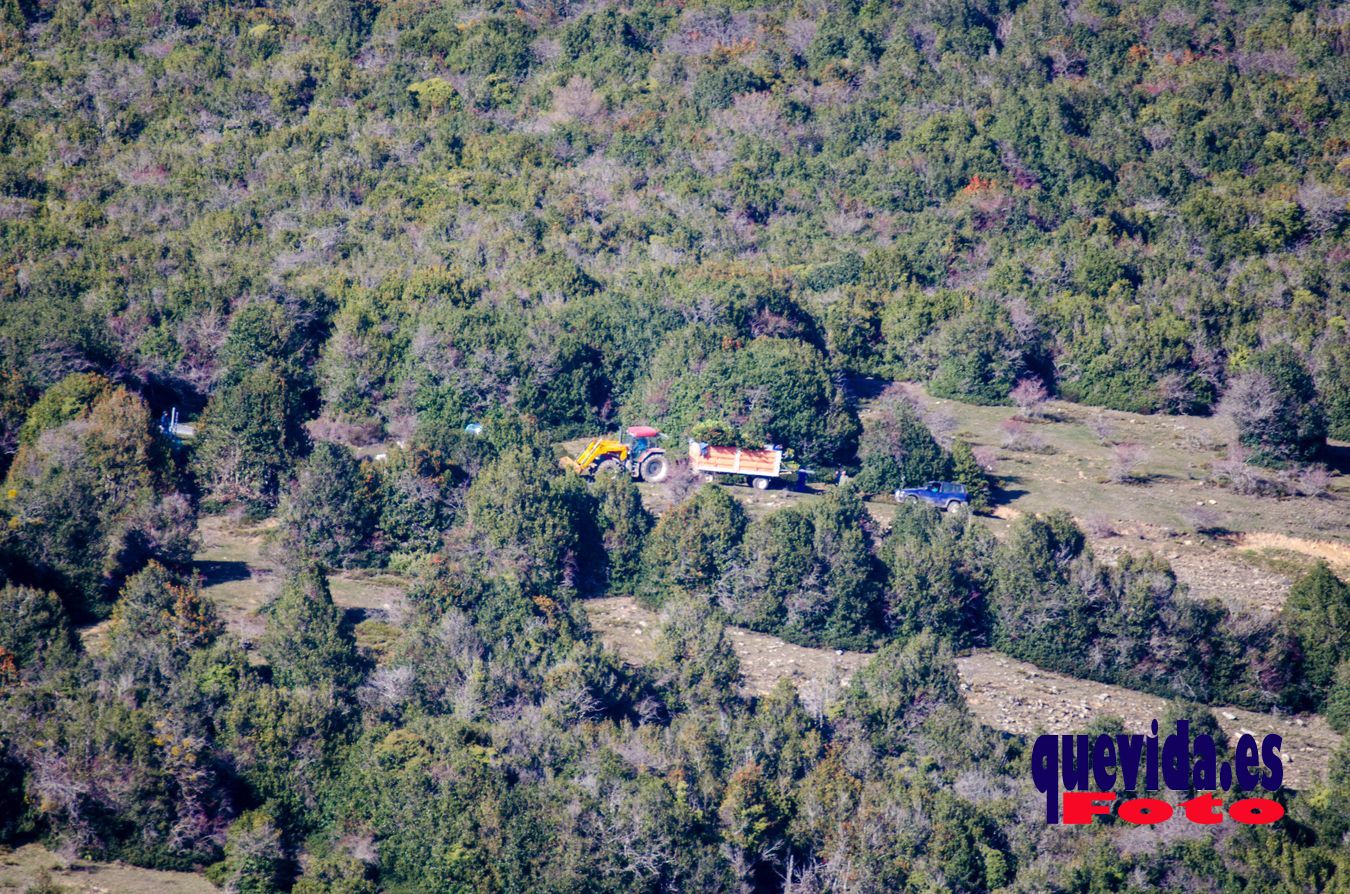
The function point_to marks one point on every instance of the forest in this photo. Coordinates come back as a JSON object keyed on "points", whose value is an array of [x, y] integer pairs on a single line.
{"points": [[384, 257]]}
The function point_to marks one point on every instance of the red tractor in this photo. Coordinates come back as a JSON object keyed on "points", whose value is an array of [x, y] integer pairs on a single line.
{"points": [[635, 451]]}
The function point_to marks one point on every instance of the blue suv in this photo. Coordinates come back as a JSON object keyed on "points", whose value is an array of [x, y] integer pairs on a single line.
{"points": [[942, 494]]}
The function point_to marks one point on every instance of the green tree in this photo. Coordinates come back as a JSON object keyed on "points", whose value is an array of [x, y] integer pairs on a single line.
{"points": [[967, 470], [978, 358], [69, 399], [248, 439], [693, 544], [1038, 612], [1273, 404], [938, 575], [623, 523], [332, 507], [896, 692], [776, 390], [535, 515], [898, 450], [255, 857], [37, 634], [1337, 704], [1317, 613], [306, 643], [90, 502], [694, 662]]}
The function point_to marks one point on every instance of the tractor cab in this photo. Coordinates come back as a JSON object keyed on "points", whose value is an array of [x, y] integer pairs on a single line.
{"points": [[638, 438]]}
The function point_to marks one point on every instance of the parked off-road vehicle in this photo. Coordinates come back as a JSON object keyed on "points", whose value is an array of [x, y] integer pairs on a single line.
{"points": [[946, 495]]}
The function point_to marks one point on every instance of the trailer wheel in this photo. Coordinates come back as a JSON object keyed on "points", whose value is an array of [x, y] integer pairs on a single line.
{"points": [[759, 483], [655, 468]]}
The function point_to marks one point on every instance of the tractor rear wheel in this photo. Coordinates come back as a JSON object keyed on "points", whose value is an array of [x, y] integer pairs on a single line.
{"points": [[654, 468]]}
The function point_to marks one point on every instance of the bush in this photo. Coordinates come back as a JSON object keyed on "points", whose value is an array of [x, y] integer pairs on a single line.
{"points": [[1273, 405], [331, 508], [898, 450], [1317, 615], [693, 544]]}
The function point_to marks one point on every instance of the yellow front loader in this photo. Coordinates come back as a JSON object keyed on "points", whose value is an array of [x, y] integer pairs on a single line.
{"points": [[634, 452]]}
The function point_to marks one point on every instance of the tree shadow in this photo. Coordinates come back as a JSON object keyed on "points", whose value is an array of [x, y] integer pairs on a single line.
{"points": [[1337, 457], [1004, 490], [866, 387], [222, 572]]}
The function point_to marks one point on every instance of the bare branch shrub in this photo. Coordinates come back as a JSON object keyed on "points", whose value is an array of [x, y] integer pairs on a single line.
{"points": [[1126, 458], [1017, 435], [1029, 395], [1101, 428]]}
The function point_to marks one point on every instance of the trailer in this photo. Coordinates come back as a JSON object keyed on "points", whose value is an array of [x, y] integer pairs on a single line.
{"points": [[759, 466]]}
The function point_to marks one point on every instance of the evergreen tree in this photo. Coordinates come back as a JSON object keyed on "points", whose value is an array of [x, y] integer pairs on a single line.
{"points": [[255, 858], [1317, 614], [624, 524], [68, 399], [332, 507], [306, 643], [1273, 403], [966, 470], [900, 688], [939, 575], [693, 544], [1337, 705], [36, 633], [898, 450], [248, 439], [535, 515], [90, 502], [978, 358]]}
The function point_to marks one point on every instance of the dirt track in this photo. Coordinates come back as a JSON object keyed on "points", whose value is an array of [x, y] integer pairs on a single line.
{"points": [[1002, 692]]}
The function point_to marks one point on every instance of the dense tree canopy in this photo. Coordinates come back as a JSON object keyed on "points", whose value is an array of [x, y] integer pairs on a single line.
{"points": [[336, 234]]}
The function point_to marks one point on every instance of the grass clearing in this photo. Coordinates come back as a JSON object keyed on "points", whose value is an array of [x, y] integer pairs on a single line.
{"points": [[24, 867], [1002, 692]]}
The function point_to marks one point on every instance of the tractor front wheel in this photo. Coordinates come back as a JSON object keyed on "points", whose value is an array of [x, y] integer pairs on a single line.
{"points": [[608, 466], [655, 468]]}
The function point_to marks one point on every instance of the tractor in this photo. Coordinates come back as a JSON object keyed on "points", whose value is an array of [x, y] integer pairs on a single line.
{"points": [[635, 452]]}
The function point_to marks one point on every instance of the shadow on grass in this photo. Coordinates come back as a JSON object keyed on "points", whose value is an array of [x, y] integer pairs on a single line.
{"points": [[222, 572], [1337, 456]]}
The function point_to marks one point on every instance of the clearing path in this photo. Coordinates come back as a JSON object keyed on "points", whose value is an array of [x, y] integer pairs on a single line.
{"points": [[1002, 692], [819, 674], [240, 578], [20, 869], [1336, 555]]}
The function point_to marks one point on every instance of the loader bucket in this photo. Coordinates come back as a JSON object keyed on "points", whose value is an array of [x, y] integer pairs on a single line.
{"points": [[568, 464]]}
